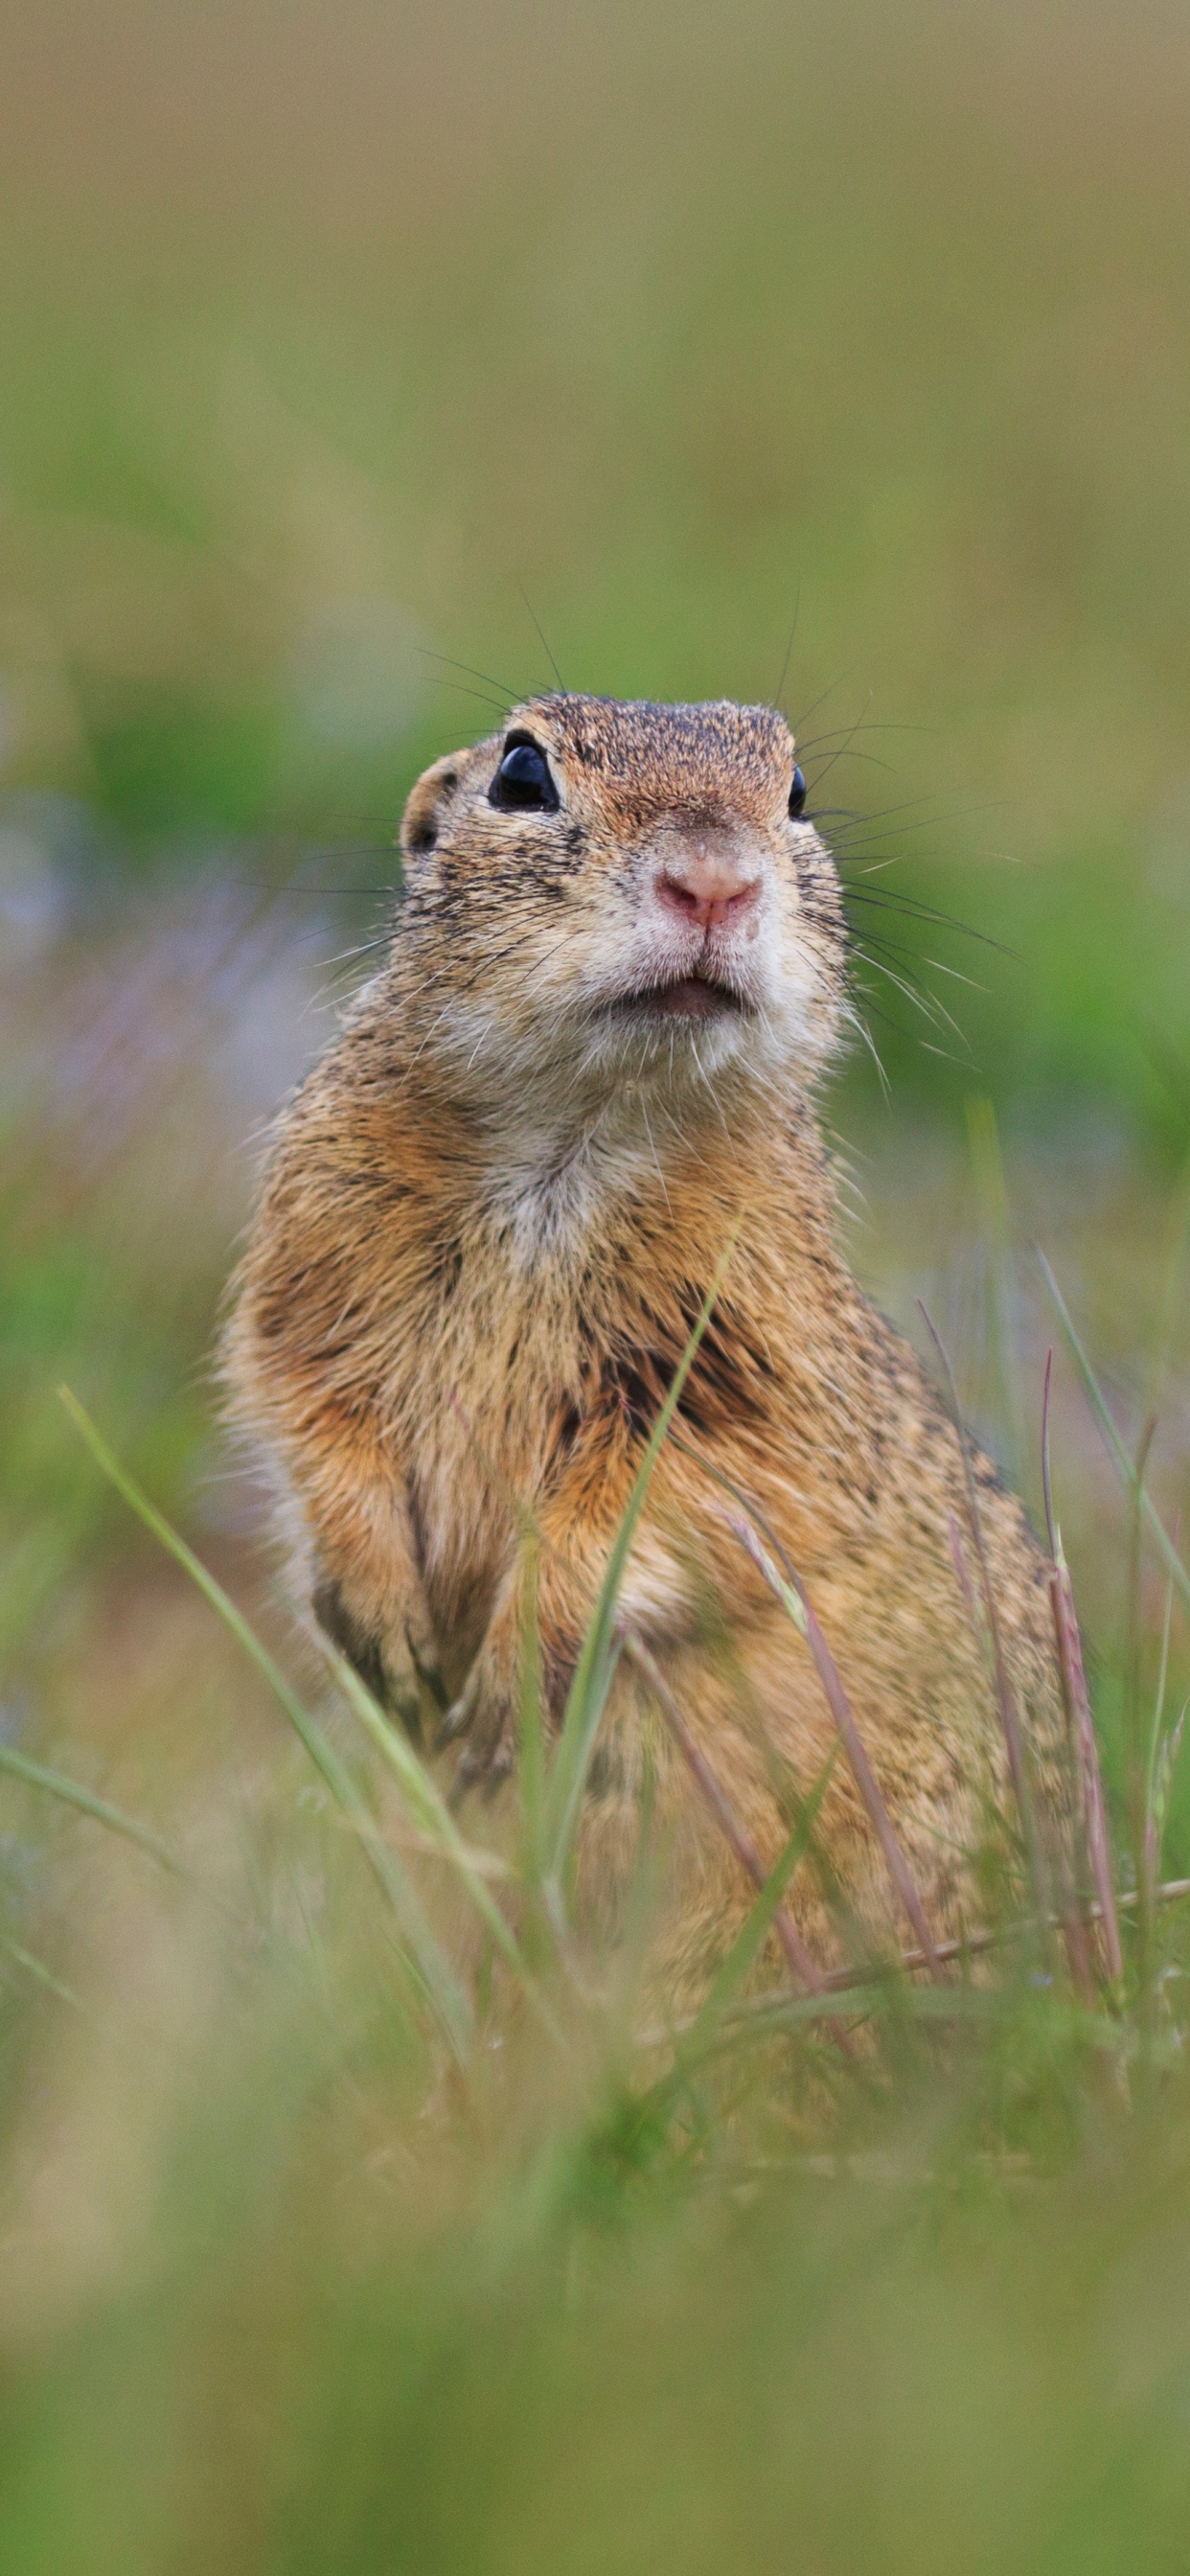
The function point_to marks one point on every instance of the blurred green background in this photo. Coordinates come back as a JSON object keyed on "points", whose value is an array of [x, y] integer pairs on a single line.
{"points": [[326, 332], [838, 351], [841, 349]]}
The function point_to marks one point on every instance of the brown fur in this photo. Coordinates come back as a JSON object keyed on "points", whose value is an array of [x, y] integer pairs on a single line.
{"points": [[490, 1217]]}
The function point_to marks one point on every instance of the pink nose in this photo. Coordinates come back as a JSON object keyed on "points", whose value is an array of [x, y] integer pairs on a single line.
{"points": [[707, 892]]}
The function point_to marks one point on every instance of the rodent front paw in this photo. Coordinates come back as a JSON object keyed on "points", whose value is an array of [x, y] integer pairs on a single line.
{"points": [[398, 1664], [484, 1712]]}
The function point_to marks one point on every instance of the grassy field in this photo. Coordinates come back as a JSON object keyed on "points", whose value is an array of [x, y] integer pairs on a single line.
{"points": [[341, 348]]}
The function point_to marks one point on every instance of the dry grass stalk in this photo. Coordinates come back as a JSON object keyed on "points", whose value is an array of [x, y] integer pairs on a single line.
{"points": [[1077, 1703], [792, 1594], [958, 1558], [974, 1945], [1005, 1699], [800, 1960]]}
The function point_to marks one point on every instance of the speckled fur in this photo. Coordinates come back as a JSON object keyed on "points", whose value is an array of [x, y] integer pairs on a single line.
{"points": [[490, 1216]]}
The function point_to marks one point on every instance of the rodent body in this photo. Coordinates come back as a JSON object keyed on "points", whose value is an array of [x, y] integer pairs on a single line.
{"points": [[491, 1216]]}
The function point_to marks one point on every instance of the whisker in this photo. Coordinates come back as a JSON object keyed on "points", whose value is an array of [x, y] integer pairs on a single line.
{"points": [[780, 691], [920, 823], [864, 724], [845, 752], [458, 689], [894, 948], [889, 899], [904, 805], [921, 997], [820, 700], [511, 697], [544, 646], [856, 1021]]}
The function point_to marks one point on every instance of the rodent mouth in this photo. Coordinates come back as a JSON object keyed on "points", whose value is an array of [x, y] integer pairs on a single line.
{"points": [[690, 997]]}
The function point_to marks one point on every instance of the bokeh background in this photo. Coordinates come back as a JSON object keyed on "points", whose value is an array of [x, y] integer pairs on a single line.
{"points": [[841, 353], [358, 364]]}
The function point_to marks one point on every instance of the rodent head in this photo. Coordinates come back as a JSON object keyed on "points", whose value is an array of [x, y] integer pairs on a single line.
{"points": [[622, 895]]}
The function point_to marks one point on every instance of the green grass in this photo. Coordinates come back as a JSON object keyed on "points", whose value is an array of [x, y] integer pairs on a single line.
{"points": [[377, 2225], [345, 2222]]}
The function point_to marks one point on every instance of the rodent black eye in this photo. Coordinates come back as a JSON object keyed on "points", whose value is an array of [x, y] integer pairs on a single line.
{"points": [[797, 795], [522, 783]]}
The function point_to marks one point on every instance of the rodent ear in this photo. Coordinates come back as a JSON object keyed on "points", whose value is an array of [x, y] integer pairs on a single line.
{"points": [[423, 815]]}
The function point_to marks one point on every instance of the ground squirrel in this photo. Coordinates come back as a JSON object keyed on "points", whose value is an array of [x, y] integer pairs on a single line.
{"points": [[616, 975]]}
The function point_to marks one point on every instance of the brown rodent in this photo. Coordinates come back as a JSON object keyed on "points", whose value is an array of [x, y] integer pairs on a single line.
{"points": [[492, 1211]]}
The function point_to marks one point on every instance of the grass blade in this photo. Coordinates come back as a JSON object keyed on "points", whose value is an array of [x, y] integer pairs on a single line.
{"points": [[600, 1648], [432, 1814], [57, 1785], [433, 1970], [987, 1165], [800, 1960], [754, 1931], [791, 1593], [975, 1944], [1077, 1701], [1115, 1445], [1005, 1695], [44, 1976], [531, 1746]]}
